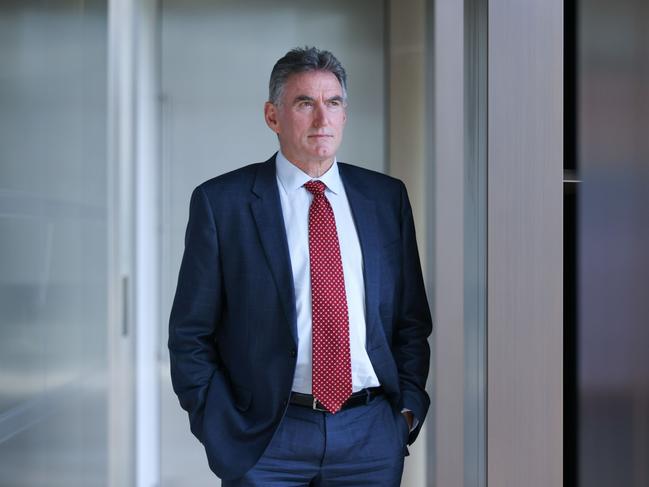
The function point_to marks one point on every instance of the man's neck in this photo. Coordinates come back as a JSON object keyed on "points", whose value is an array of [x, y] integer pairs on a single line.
{"points": [[315, 169]]}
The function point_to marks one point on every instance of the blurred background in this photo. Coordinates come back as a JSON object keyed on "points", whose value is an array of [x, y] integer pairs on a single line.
{"points": [[521, 132]]}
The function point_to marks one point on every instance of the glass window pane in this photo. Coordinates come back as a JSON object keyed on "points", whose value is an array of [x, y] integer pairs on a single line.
{"points": [[53, 243]]}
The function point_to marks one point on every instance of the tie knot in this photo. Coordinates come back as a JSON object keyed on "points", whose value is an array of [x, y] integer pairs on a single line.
{"points": [[315, 187]]}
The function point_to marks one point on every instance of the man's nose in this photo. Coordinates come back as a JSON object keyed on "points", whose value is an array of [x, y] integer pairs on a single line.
{"points": [[320, 116]]}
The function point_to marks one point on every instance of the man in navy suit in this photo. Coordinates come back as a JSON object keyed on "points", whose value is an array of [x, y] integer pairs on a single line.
{"points": [[298, 334]]}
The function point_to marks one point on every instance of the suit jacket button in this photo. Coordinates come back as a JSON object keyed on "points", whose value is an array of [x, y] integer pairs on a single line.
{"points": [[293, 353]]}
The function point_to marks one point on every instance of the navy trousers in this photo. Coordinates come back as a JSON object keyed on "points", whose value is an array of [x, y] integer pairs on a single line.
{"points": [[361, 446]]}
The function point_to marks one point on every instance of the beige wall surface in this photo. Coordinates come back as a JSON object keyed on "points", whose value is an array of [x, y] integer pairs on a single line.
{"points": [[406, 148]]}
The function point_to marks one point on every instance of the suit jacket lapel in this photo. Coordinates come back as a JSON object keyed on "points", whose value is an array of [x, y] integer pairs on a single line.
{"points": [[267, 211], [366, 221]]}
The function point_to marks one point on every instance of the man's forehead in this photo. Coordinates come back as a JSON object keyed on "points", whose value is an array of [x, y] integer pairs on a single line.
{"points": [[314, 82]]}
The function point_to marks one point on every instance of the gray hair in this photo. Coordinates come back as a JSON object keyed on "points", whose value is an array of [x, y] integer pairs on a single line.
{"points": [[300, 60]]}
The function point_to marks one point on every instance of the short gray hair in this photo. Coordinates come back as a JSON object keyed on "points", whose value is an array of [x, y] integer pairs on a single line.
{"points": [[300, 60]]}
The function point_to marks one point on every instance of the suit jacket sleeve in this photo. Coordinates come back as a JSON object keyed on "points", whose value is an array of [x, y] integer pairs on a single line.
{"points": [[410, 343], [195, 313]]}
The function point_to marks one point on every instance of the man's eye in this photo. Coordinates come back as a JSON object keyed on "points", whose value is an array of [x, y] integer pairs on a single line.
{"points": [[305, 104]]}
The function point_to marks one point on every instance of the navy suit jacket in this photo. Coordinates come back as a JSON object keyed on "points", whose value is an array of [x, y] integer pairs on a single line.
{"points": [[233, 332]]}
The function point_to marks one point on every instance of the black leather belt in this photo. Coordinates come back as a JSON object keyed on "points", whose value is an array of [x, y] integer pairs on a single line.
{"points": [[359, 398]]}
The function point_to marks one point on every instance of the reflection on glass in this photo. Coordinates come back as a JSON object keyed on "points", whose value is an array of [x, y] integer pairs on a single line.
{"points": [[613, 336], [53, 237]]}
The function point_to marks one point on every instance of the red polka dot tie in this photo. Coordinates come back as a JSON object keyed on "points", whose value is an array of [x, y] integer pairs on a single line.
{"points": [[332, 370]]}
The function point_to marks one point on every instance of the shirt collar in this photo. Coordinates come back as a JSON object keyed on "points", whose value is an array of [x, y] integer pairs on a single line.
{"points": [[293, 178]]}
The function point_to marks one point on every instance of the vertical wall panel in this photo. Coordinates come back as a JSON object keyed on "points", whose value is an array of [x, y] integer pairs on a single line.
{"points": [[448, 283], [475, 241], [120, 152], [457, 240], [525, 243]]}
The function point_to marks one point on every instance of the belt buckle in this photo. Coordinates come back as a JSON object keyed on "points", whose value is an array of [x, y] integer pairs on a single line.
{"points": [[316, 407]]}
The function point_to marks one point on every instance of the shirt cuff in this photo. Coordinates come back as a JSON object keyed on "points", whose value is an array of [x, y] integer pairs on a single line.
{"points": [[415, 421]]}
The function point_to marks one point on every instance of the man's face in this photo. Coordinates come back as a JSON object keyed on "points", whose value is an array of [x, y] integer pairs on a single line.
{"points": [[310, 117]]}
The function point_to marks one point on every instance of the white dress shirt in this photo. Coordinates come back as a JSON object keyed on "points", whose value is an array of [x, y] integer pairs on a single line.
{"points": [[296, 200]]}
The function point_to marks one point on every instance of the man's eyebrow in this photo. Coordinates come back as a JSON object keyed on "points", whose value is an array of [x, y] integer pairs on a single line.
{"points": [[300, 98]]}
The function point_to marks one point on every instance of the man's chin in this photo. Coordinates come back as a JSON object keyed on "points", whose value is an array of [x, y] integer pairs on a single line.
{"points": [[324, 153]]}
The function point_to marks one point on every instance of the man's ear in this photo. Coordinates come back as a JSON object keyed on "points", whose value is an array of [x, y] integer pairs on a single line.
{"points": [[270, 115]]}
